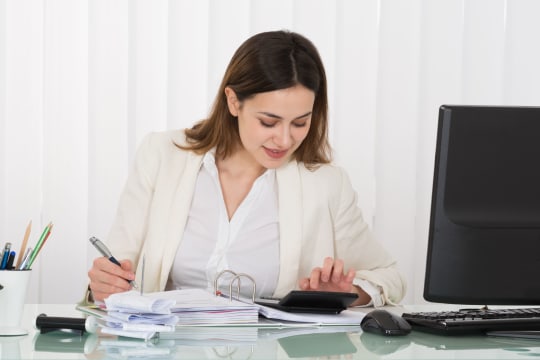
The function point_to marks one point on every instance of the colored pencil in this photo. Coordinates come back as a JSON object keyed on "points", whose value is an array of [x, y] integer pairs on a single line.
{"points": [[37, 248], [24, 243]]}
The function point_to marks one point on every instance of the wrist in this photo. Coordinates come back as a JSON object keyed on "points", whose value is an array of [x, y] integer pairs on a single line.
{"points": [[363, 297], [373, 292]]}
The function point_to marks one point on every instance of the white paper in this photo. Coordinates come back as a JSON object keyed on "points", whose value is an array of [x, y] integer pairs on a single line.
{"points": [[346, 317], [115, 316], [134, 302]]}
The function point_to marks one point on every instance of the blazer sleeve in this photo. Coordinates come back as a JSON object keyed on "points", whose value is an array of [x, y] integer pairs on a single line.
{"points": [[355, 244], [129, 228]]}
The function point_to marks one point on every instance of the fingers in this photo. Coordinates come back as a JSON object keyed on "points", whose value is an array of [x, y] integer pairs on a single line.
{"points": [[332, 270], [337, 272], [328, 266], [127, 266], [350, 275], [315, 278], [329, 277], [107, 278], [303, 284], [124, 271]]}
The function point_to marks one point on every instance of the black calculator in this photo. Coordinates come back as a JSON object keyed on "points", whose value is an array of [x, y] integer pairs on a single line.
{"points": [[317, 302]]}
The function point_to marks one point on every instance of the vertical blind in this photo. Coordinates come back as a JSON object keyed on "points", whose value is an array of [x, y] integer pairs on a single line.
{"points": [[82, 81]]}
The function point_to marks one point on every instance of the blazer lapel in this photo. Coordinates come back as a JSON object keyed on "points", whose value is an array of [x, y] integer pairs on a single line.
{"points": [[179, 212], [290, 226]]}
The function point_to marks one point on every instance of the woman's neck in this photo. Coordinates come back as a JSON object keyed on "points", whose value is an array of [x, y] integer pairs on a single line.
{"points": [[240, 165], [237, 174]]}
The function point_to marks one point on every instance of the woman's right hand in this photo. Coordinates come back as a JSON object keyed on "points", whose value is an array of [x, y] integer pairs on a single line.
{"points": [[107, 278]]}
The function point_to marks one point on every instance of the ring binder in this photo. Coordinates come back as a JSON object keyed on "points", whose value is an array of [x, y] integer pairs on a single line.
{"points": [[236, 278]]}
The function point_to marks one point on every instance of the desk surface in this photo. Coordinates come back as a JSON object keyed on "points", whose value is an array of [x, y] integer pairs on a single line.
{"points": [[251, 343]]}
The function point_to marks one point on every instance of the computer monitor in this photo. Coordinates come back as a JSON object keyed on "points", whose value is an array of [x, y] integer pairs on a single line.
{"points": [[484, 234]]}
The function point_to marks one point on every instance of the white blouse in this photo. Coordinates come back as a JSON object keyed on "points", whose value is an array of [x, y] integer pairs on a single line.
{"points": [[248, 243]]}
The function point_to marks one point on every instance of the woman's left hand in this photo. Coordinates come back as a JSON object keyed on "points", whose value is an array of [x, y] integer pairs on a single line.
{"points": [[329, 277]]}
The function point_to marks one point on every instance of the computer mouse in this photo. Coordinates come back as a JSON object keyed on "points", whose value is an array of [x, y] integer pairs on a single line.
{"points": [[384, 322]]}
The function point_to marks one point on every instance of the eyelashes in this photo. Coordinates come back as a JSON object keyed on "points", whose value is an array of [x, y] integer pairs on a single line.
{"points": [[267, 125], [272, 124]]}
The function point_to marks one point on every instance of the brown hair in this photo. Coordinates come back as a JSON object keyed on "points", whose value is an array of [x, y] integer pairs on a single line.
{"points": [[265, 62]]}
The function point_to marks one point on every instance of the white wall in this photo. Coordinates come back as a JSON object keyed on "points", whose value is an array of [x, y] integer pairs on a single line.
{"points": [[82, 81]]}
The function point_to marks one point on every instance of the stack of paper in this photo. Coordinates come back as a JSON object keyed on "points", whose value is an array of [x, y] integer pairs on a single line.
{"points": [[200, 307], [139, 316]]}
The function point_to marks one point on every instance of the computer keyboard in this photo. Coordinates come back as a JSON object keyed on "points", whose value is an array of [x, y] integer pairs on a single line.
{"points": [[469, 321]]}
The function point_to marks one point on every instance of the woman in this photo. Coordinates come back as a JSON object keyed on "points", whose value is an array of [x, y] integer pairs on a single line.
{"points": [[250, 189]]}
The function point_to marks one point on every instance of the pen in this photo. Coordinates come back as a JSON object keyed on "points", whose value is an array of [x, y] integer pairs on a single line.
{"points": [[26, 256], [107, 253], [5, 255], [11, 259]]}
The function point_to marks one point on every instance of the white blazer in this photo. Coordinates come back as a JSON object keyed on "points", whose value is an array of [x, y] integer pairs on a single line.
{"points": [[318, 217]]}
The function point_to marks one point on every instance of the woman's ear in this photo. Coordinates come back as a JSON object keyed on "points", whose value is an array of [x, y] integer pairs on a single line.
{"points": [[232, 101]]}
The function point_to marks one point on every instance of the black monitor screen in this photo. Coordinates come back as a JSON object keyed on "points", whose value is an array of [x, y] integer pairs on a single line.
{"points": [[484, 235]]}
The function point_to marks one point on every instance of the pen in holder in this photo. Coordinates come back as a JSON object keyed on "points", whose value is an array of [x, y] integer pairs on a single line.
{"points": [[13, 286]]}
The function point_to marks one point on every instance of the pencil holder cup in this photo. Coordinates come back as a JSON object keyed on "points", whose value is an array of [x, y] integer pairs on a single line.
{"points": [[13, 286]]}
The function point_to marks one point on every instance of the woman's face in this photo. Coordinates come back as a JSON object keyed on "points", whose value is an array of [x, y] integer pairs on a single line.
{"points": [[273, 124]]}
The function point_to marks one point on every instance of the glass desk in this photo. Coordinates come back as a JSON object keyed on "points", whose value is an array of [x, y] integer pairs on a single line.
{"points": [[253, 343]]}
